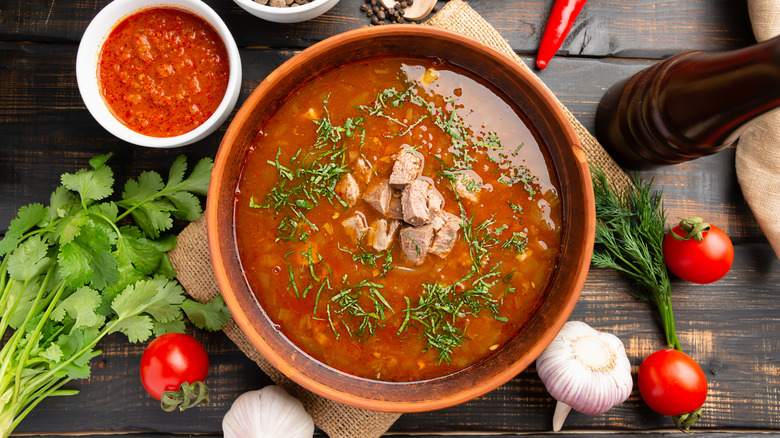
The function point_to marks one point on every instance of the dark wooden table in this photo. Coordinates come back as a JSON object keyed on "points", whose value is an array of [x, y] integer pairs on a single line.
{"points": [[731, 327]]}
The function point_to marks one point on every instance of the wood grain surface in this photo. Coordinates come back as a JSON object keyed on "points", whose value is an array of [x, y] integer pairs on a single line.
{"points": [[731, 327]]}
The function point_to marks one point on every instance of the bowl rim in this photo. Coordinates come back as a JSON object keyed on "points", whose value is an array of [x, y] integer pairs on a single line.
{"points": [[88, 55], [279, 362], [314, 4]]}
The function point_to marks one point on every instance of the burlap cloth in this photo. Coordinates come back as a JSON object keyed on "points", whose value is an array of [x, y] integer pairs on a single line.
{"points": [[193, 264], [758, 150]]}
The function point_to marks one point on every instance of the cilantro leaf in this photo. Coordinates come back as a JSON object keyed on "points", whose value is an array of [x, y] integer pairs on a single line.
{"points": [[53, 354], [70, 227], [152, 202], [92, 184], [198, 181], [164, 307], [158, 297], [24, 297], [61, 203], [137, 328], [208, 316], [187, 205], [148, 185], [27, 217], [88, 258], [143, 253], [28, 260], [173, 326], [108, 210], [80, 306]]}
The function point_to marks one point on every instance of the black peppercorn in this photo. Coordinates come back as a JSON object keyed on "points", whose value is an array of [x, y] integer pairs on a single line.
{"points": [[370, 13], [409, 2], [363, 7], [374, 21], [375, 9], [401, 19], [380, 15], [402, 12]]}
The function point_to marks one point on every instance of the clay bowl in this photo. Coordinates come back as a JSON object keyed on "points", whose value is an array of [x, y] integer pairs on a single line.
{"points": [[545, 115]]}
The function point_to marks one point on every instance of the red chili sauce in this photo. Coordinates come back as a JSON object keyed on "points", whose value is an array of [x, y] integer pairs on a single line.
{"points": [[163, 71]]}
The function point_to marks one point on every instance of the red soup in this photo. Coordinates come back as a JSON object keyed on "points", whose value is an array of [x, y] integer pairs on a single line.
{"points": [[398, 219], [163, 71]]}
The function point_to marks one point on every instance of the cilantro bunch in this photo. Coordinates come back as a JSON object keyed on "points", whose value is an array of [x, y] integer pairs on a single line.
{"points": [[79, 269]]}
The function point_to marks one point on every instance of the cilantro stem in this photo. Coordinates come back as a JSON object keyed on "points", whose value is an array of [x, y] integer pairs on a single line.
{"points": [[33, 337]]}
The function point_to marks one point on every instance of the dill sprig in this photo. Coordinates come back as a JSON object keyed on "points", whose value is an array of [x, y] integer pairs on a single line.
{"points": [[630, 230]]}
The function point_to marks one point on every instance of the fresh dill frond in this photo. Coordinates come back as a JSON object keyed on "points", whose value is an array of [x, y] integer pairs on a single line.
{"points": [[630, 228]]}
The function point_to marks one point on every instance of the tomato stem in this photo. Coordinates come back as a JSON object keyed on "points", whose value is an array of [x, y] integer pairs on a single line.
{"points": [[685, 421], [187, 396], [694, 228]]}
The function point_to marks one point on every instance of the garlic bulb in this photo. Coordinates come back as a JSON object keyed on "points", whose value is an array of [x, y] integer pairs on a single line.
{"points": [[267, 413], [586, 370]]}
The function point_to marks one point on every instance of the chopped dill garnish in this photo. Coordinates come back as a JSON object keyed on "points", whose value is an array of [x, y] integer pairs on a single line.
{"points": [[518, 209], [519, 174], [358, 318], [491, 141], [517, 243], [440, 308]]}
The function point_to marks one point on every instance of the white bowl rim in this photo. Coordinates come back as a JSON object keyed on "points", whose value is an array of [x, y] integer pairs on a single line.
{"points": [[283, 11], [89, 52]]}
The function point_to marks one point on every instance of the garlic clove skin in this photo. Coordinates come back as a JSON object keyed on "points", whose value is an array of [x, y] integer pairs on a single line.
{"points": [[267, 413], [585, 369]]}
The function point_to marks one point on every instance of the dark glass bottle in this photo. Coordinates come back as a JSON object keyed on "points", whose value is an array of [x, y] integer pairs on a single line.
{"points": [[688, 106]]}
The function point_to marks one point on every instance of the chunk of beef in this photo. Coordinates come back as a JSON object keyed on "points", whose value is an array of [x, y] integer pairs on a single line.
{"points": [[348, 189], [446, 236], [355, 226], [407, 167], [395, 210], [415, 203], [378, 196], [363, 170], [435, 200], [441, 218], [381, 235], [415, 242]]}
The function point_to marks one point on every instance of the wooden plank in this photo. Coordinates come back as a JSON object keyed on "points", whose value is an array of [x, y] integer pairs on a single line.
{"points": [[730, 327], [38, 89], [638, 28], [588, 434]]}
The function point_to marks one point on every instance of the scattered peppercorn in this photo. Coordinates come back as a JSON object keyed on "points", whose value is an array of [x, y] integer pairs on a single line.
{"points": [[378, 12]]}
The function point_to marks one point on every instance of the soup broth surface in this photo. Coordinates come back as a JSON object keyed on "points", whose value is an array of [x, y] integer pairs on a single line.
{"points": [[314, 254]]}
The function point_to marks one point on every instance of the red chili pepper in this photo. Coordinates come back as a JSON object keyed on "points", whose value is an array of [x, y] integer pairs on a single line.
{"points": [[563, 14]]}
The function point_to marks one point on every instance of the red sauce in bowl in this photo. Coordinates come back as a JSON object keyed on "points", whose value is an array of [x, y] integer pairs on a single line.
{"points": [[163, 71]]}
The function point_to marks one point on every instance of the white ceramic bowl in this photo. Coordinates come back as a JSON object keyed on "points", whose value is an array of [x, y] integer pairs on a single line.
{"points": [[294, 14], [89, 53]]}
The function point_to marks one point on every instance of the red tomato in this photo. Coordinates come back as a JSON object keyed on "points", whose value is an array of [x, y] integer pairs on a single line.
{"points": [[672, 383], [699, 262], [171, 360]]}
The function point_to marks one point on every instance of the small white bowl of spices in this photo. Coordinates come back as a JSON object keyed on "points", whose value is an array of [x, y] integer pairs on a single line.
{"points": [[286, 11]]}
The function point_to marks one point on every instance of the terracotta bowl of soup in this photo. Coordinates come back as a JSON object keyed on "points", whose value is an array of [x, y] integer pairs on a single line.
{"points": [[400, 218]]}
